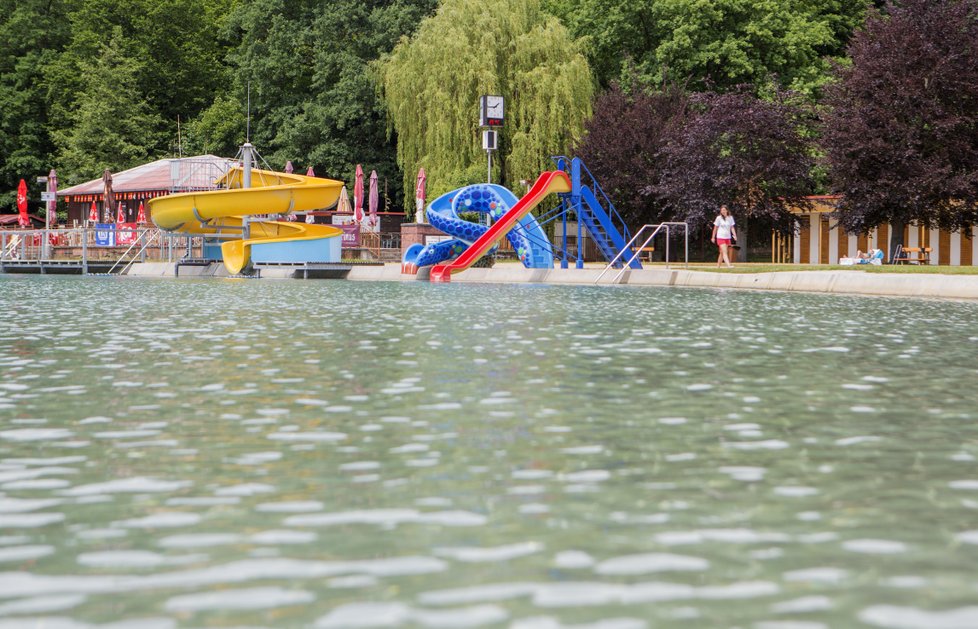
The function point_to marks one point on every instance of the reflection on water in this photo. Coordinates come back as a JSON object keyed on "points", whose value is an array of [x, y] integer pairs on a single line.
{"points": [[339, 454]]}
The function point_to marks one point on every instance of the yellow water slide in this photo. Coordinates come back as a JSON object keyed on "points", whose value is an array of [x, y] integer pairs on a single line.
{"points": [[220, 212]]}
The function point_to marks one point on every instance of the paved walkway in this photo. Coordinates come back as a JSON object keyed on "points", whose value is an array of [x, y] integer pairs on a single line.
{"points": [[846, 282]]}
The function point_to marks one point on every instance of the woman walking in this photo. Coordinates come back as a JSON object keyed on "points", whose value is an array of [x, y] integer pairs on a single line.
{"points": [[723, 232]]}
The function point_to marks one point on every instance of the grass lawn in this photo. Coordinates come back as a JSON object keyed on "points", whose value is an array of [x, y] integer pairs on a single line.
{"points": [[754, 267], [762, 267]]}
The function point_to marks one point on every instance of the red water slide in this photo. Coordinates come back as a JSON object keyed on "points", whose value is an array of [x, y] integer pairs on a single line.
{"points": [[547, 183]]}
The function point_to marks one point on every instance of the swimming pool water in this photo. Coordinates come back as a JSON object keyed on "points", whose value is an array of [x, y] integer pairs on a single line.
{"points": [[341, 454]]}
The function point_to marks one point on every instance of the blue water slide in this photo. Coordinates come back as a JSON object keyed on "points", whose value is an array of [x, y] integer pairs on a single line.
{"points": [[529, 240]]}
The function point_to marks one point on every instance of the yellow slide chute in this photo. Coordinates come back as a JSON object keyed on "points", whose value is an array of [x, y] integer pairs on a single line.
{"points": [[220, 212]]}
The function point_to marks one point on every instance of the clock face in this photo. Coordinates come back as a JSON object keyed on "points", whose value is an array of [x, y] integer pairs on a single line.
{"points": [[492, 111]]}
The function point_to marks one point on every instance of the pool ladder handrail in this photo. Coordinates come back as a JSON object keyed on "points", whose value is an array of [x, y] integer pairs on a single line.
{"points": [[638, 251], [155, 232]]}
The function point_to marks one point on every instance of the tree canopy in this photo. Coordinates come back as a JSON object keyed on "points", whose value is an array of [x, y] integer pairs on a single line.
{"points": [[432, 83], [314, 99], [737, 150], [106, 131], [902, 133], [623, 142], [715, 44], [32, 34]]}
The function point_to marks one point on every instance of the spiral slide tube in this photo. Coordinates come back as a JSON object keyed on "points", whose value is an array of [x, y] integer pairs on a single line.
{"points": [[224, 213]]}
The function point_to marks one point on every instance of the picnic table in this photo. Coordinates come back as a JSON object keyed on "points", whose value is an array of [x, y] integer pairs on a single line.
{"points": [[912, 255]]}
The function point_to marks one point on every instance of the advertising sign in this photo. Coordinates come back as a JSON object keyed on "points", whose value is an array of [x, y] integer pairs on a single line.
{"points": [[125, 233], [351, 235], [104, 234]]}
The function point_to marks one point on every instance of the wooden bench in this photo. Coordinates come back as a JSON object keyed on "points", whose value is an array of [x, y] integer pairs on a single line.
{"points": [[914, 255]]}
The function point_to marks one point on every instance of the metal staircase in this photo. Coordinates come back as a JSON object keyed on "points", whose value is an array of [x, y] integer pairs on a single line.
{"points": [[597, 214]]}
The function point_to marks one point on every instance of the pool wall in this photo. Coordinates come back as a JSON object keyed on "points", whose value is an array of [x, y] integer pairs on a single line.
{"points": [[845, 282]]}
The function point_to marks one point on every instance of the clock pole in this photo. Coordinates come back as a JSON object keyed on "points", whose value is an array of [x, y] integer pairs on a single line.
{"points": [[491, 110]]}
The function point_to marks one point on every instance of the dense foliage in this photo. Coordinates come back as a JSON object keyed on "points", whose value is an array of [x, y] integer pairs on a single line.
{"points": [[902, 136], [715, 44], [736, 149], [432, 85], [32, 32], [623, 142]]}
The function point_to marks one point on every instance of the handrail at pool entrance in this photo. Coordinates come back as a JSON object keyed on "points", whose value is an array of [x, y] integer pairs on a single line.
{"points": [[638, 251], [155, 232]]}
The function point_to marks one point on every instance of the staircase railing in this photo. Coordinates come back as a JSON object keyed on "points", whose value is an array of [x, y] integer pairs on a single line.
{"points": [[154, 232], [595, 210], [599, 193], [638, 250]]}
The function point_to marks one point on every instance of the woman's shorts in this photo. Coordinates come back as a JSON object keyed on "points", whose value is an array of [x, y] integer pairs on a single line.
{"points": [[723, 241]]}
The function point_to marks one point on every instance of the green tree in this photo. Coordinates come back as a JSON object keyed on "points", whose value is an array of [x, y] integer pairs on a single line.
{"points": [[433, 81], [106, 130], [314, 100], [32, 33], [715, 44], [218, 130], [176, 50]]}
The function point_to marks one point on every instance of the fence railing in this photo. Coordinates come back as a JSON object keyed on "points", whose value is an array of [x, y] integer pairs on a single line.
{"points": [[92, 244], [124, 245]]}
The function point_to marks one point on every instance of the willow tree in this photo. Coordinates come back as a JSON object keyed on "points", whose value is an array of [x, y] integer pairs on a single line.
{"points": [[432, 82]]}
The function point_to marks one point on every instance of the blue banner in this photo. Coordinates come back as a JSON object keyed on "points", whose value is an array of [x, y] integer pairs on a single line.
{"points": [[104, 234]]}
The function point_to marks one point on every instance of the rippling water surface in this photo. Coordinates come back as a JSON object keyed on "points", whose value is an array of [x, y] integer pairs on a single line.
{"points": [[340, 454]]}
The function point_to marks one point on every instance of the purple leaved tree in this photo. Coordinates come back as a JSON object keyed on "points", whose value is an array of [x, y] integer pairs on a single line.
{"points": [[753, 155], [901, 136], [622, 146]]}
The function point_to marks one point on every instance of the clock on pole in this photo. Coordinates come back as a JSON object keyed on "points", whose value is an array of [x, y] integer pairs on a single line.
{"points": [[491, 111]]}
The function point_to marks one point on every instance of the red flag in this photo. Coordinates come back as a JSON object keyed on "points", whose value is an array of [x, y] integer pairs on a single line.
{"points": [[22, 220]]}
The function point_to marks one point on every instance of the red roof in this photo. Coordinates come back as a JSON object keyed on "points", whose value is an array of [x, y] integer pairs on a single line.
{"points": [[163, 174]]}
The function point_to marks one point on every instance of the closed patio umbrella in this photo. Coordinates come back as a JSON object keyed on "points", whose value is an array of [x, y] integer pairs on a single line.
{"points": [[120, 216], [51, 219], [109, 207], [22, 218], [93, 213], [343, 205], [373, 198], [141, 214], [419, 196], [358, 195]]}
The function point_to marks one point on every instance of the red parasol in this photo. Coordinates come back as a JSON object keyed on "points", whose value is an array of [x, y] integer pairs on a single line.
{"points": [[93, 213], [419, 196], [358, 195], [22, 219], [141, 214]]}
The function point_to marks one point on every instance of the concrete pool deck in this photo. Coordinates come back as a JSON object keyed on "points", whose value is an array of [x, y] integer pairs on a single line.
{"points": [[828, 281]]}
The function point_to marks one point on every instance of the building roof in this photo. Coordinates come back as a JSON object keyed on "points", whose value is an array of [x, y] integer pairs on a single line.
{"points": [[162, 175], [12, 220]]}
